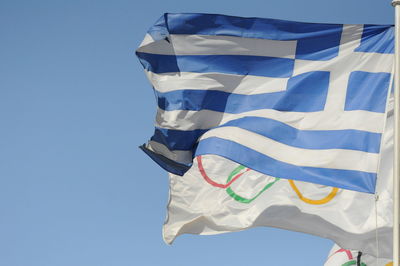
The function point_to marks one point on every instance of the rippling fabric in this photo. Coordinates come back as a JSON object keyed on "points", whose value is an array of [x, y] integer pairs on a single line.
{"points": [[292, 100], [217, 195]]}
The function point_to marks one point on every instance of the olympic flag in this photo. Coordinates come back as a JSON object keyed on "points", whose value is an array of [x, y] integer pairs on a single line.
{"points": [[292, 100], [250, 110], [217, 195]]}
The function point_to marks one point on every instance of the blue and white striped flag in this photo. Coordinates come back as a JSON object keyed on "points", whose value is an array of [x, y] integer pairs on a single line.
{"points": [[291, 100]]}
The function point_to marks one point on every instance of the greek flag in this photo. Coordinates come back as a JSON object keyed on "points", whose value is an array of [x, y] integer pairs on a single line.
{"points": [[291, 100]]}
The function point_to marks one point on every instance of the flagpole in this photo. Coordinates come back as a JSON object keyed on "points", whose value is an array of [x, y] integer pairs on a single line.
{"points": [[396, 173]]}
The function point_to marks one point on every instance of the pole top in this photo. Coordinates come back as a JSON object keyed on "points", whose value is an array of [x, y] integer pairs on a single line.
{"points": [[395, 2]]}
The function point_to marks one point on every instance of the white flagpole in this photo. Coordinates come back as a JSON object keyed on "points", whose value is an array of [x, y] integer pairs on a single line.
{"points": [[396, 173]]}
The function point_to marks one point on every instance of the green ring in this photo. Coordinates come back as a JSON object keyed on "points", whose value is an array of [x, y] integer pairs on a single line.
{"points": [[240, 198], [353, 262]]}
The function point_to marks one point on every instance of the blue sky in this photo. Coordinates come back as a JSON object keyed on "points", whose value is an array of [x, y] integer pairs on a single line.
{"points": [[74, 106]]}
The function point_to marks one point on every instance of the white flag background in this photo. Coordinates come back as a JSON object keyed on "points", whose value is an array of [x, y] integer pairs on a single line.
{"points": [[217, 195]]}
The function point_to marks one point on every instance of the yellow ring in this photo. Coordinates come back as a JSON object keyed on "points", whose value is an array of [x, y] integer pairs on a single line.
{"points": [[311, 201], [389, 264]]}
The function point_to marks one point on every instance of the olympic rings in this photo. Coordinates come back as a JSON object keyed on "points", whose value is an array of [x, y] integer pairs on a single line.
{"points": [[213, 183], [349, 256], [327, 199], [237, 173], [348, 253]]}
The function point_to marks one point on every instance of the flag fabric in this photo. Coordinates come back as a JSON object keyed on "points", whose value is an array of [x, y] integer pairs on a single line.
{"points": [[217, 195], [290, 100], [345, 257]]}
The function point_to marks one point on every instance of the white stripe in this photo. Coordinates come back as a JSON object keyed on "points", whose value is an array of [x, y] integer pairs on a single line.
{"points": [[372, 62], [205, 119], [175, 155], [331, 158], [209, 44], [357, 61], [148, 39], [220, 45], [241, 84], [155, 47]]}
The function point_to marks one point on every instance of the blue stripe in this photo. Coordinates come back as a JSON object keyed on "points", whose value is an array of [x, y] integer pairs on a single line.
{"points": [[167, 164], [280, 132], [347, 179], [305, 93], [314, 41], [177, 139], [230, 64]]}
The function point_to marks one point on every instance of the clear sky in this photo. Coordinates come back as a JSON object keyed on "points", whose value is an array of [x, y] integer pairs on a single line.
{"points": [[74, 105]]}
